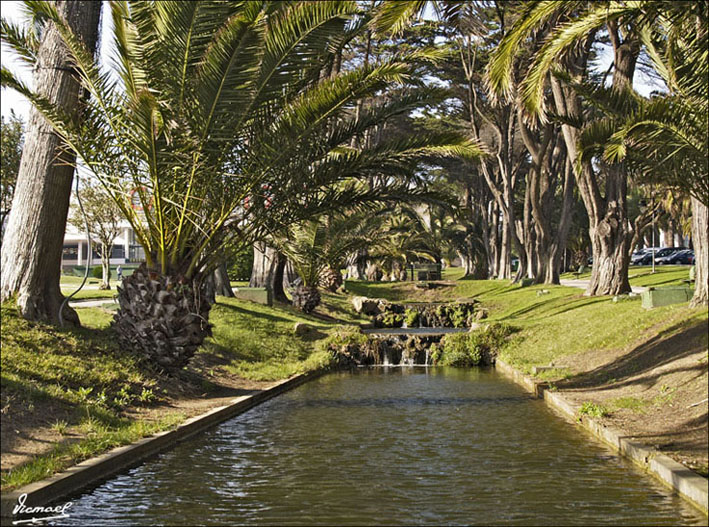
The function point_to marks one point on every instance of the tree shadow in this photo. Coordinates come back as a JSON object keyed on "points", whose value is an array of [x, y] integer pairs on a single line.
{"points": [[257, 314], [676, 342]]}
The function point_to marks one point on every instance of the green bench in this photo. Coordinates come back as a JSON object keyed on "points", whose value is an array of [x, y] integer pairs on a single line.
{"points": [[260, 295], [664, 296], [425, 272], [581, 270]]}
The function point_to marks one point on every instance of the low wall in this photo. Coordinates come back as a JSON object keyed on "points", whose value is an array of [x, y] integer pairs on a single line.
{"points": [[94, 470], [688, 484]]}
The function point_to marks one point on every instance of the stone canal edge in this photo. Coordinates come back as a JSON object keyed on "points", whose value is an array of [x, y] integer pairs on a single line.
{"points": [[93, 470], [685, 482]]}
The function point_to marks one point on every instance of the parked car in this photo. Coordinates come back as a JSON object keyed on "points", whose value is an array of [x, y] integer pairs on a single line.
{"points": [[685, 257], [667, 251], [637, 256]]}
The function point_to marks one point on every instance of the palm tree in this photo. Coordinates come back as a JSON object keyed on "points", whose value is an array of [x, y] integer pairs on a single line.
{"points": [[403, 240], [316, 248], [225, 129]]}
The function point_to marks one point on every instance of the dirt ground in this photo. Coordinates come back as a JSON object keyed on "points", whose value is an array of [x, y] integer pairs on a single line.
{"points": [[656, 392]]}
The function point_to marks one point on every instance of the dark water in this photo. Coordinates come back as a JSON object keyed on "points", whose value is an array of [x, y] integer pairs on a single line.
{"points": [[388, 446]]}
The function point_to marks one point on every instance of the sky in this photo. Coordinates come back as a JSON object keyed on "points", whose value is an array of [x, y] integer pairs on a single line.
{"points": [[11, 10]]}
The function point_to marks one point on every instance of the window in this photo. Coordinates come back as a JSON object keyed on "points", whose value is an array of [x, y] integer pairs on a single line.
{"points": [[70, 252]]}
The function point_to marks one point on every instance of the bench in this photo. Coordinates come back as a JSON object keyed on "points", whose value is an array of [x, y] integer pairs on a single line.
{"points": [[426, 272], [581, 270], [690, 280]]}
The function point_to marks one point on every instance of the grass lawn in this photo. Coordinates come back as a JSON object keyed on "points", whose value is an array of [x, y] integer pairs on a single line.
{"points": [[77, 380], [258, 343], [81, 384], [643, 276], [558, 323]]}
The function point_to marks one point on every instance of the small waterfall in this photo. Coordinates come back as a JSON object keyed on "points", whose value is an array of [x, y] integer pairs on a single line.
{"points": [[428, 356], [386, 361]]}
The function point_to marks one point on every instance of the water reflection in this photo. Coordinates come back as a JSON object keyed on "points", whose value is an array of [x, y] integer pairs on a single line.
{"points": [[388, 446]]}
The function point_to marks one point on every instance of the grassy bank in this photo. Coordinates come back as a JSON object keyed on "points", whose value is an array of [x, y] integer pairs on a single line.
{"points": [[79, 392], [554, 321], [86, 395]]}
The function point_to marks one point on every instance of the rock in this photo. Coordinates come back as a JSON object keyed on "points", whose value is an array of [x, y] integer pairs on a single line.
{"points": [[368, 306], [481, 314], [542, 292], [474, 327], [301, 329]]}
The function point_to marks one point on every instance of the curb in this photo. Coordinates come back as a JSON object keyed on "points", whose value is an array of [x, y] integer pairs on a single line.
{"points": [[689, 485], [93, 470]]}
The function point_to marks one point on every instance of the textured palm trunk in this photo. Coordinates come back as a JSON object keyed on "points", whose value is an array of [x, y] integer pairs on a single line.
{"points": [[306, 298], [32, 246], [163, 318], [700, 233], [331, 279]]}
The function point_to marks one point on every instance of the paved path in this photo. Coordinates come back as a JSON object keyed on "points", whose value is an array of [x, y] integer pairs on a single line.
{"points": [[583, 284], [413, 331], [96, 302]]}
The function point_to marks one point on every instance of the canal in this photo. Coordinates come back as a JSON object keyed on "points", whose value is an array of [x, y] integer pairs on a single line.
{"points": [[390, 446]]}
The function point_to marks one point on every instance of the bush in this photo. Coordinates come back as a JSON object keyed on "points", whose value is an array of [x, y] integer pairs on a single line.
{"points": [[241, 265], [411, 316], [471, 349], [97, 272], [458, 349], [392, 320], [458, 315], [345, 345]]}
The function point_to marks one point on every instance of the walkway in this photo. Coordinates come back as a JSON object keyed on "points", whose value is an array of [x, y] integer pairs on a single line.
{"points": [[427, 332], [583, 284]]}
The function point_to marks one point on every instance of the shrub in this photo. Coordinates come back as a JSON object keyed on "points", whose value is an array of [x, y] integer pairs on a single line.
{"points": [[458, 349], [458, 314], [471, 349], [392, 320], [97, 272], [241, 264], [593, 410], [411, 316]]}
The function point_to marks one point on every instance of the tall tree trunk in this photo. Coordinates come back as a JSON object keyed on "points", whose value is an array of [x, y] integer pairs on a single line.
{"points": [[268, 270], [222, 285], [32, 248], [609, 225], [700, 233], [503, 267], [106, 266], [357, 264]]}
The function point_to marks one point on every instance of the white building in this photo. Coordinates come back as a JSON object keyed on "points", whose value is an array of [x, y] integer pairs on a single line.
{"points": [[76, 248]]}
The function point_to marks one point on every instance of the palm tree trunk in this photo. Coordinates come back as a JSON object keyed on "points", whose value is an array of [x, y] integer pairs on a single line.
{"points": [[32, 248], [163, 318]]}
